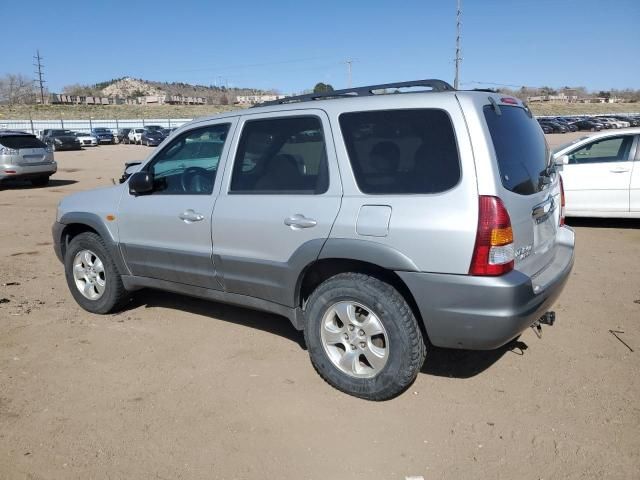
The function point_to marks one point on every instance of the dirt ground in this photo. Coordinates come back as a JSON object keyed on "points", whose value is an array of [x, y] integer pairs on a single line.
{"points": [[178, 388]]}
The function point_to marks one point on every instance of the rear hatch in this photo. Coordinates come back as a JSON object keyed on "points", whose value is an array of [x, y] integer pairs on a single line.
{"points": [[530, 190], [30, 149]]}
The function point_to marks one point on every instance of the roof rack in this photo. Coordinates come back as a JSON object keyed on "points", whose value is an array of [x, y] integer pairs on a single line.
{"points": [[435, 85]]}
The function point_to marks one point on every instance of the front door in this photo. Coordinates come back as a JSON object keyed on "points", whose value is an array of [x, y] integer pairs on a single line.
{"points": [[277, 204], [598, 176], [166, 234]]}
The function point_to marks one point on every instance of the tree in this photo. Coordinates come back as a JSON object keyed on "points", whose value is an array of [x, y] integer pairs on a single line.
{"points": [[15, 89], [322, 88]]}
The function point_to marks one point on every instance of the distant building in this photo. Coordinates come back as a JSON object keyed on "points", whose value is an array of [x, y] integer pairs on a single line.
{"points": [[255, 99]]}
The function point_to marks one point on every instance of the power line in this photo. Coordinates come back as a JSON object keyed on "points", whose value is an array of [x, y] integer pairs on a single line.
{"points": [[349, 63], [458, 59], [40, 80]]}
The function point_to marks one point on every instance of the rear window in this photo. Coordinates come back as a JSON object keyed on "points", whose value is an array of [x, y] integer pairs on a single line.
{"points": [[21, 141], [521, 148], [401, 151]]}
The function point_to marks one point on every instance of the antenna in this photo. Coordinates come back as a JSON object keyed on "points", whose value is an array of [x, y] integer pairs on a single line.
{"points": [[458, 59], [39, 66]]}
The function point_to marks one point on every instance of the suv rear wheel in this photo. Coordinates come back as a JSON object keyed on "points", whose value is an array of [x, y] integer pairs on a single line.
{"points": [[362, 336], [92, 277]]}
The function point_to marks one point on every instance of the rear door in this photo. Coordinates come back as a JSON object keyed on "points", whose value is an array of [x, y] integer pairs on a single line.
{"points": [[531, 197], [279, 199], [598, 175]]}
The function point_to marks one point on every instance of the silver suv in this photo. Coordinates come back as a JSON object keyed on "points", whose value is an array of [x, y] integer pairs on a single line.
{"points": [[23, 156], [378, 223]]}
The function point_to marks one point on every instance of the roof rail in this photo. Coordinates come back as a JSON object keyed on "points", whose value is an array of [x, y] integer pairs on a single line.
{"points": [[435, 85]]}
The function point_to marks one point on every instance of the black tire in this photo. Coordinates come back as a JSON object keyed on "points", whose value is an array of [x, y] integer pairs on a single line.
{"points": [[40, 181], [406, 347], [115, 295]]}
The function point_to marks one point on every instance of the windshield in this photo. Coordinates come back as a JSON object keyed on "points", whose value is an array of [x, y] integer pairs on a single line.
{"points": [[60, 133], [521, 148]]}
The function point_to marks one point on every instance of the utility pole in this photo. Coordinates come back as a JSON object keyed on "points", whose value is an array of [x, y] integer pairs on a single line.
{"points": [[458, 59], [39, 73], [349, 62]]}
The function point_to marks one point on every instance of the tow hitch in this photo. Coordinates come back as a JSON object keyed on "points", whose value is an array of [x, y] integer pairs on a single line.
{"points": [[548, 318]]}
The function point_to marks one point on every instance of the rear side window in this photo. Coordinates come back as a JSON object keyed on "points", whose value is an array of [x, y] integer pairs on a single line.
{"points": [[521, 149], [401, 151], [21, 141], [281, 155]]}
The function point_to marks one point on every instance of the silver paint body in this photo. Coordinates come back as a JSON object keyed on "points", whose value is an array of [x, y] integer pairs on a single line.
{"points": [[247, 247]]}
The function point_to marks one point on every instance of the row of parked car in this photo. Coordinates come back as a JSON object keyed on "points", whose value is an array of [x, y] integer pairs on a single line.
{"points": [[592, 124], [63, 139], [150, 135]]}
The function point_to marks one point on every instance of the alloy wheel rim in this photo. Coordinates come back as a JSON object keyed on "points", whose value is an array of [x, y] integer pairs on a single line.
{"points": [[354, 339], [89, 274]]}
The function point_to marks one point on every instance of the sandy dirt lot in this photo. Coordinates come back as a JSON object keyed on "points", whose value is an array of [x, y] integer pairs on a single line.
{"points": [[178, 388]]}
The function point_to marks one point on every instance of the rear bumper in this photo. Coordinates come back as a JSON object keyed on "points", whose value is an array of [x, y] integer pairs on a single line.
{"points": [[27, 171], [484, 313]]}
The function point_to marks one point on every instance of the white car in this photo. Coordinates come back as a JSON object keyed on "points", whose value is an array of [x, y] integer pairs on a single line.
{"points": [[87, 140], [614, 122], [135, 135], [601, 174]]}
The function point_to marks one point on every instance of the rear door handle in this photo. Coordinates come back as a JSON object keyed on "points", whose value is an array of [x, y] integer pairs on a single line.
{"points": [[619, 170], [299, 221], [189, 216]]}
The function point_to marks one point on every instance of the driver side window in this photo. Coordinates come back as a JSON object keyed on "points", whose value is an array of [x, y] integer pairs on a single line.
{"points": [[188, 165], [615, 149]]}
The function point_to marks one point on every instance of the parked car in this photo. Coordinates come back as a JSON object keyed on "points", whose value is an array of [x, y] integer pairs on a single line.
{"points": [[135, 135], [24, 156], [360, 218], [546, 128], [556, 127], [122, 136], [59, 139], [601, 174], [610, 121], [86, 139], [151, 138], [104, 135], [566, 124], [588, 125]]}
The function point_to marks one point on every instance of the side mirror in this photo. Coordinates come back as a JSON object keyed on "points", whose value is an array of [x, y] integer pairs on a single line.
{"points": [[141, 183], [129, 169], [561, 160]]}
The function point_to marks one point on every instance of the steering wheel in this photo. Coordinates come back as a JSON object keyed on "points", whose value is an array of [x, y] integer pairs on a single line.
{"points": [[195, 174]]}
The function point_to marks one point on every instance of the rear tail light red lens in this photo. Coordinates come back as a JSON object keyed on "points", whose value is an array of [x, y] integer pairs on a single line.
{"points": [[494, 251]]}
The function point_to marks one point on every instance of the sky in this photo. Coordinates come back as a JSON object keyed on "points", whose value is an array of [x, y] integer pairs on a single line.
{"points": [[290, 46]]}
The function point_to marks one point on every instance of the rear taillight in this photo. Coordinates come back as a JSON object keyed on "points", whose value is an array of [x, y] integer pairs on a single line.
{"points": [[494, 252], [562, 202]]}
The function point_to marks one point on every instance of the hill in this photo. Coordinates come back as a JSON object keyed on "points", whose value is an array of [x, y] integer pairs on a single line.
{"points": [[128, 87]]}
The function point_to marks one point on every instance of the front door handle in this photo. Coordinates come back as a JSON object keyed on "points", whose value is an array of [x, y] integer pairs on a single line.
{"points": [[189, 216], [299, 221], [619, 170]]}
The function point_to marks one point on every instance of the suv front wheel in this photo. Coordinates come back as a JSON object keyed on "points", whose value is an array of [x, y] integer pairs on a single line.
{"points": [[92, 277], [363, 337]]}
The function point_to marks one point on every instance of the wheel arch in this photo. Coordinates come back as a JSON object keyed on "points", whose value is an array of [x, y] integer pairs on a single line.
{"points": [[76, 223]]}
